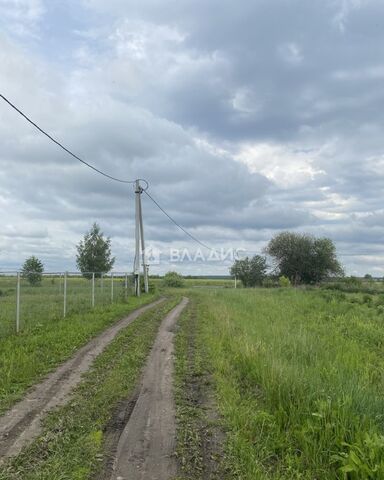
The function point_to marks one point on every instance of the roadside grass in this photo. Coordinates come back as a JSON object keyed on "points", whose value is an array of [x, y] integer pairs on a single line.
{"points": [[25, 358], [299, 382], [71, 446]]}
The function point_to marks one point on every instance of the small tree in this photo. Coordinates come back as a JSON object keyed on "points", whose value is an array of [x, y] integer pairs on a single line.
{"points": [[94, 253], [173, 279], [251, 271], [32, 270]]}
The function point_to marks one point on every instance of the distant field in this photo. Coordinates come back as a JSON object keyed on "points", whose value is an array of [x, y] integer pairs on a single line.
{"points": [[209, 282], [299, 382]]}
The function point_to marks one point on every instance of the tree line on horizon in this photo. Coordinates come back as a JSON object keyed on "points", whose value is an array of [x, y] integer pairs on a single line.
{"points": [[297, 258]]}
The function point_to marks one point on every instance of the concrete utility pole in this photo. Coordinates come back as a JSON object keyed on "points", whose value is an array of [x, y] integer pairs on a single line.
{"points": [[139, 238]]}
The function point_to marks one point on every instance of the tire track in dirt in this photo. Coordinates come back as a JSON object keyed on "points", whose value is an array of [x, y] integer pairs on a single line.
{"points": [[143, 447], [22, 423]]}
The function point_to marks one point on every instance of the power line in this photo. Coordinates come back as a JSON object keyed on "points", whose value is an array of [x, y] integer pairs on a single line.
{"points": [[63, 147], [100, 171], [177, 224]]}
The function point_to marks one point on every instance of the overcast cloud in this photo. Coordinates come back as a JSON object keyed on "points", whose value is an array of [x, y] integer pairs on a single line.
{"points": [[246, 118]]}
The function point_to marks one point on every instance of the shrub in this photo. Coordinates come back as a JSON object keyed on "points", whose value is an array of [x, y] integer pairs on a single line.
{"points": [[284, 281], [268, 283], [173, 279], [367, 299]]}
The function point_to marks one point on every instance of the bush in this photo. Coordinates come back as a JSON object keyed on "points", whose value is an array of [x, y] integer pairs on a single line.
{"points": [[173, 279], [268, 283], [284, 281], [367, 299]]}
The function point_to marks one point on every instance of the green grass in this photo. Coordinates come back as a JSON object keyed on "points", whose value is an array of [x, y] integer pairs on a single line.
{"points": [[44, 303], [299, 382], [71, 446], [187, 381], [26, 357]]}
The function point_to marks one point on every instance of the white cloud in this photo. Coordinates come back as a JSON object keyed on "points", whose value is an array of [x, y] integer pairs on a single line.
{"points": [[21, 17], [283, 165]]}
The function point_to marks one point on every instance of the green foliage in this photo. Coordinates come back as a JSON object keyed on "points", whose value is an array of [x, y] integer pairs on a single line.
{"points": [[303, 258], [32, 270], [363, 460], [94, 253], [251, 271], [268, 282], [353, 281], [284, 281], [173, 279]]}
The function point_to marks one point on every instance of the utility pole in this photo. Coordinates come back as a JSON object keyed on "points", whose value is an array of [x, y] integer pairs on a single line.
{"points": [[139, 240], [145, 266]]}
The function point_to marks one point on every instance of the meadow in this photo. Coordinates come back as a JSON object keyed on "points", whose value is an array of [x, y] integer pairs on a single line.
{"points": [[44, 303], [298, 381]]}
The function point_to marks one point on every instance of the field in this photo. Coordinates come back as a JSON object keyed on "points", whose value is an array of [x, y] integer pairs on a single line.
{"points": [[298, 381], [45, 302], [269, 384]]}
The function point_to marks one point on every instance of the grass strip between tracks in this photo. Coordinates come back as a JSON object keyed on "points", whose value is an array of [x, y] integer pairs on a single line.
{"points": [[71, 446], [25, 358]]}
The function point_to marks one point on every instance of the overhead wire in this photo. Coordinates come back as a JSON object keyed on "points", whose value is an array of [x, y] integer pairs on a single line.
{"points": [[50, 137], [177, 224], [63, 147]]}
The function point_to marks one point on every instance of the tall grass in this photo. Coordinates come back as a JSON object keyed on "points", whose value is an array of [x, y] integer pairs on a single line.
{"points": [[299, 379]]}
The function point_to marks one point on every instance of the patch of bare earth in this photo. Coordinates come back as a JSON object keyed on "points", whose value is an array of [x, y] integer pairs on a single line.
{"points": [[22, 423], [140, 439]]}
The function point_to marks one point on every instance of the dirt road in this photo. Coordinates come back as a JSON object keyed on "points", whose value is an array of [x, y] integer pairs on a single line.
{"points": [[20, 425], [146, 446]]}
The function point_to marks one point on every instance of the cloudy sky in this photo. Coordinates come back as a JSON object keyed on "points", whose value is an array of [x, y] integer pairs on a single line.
{"points": [[247, 118]]}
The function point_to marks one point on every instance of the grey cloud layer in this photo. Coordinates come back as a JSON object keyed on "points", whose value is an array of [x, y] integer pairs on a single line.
{"points": [[246, 120]]}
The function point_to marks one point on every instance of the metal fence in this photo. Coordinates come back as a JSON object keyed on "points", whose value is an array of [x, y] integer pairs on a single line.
{"points": [[24, 305]]}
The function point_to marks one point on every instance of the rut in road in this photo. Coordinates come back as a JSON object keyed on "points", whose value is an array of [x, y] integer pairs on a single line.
{"points": [[22, 423], [146, 445]]}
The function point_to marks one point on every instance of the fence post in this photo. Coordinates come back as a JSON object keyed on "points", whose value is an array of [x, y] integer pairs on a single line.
{"points": [[93, 289], [111, 287], [18, 303], [65, 295], [126, 286]]}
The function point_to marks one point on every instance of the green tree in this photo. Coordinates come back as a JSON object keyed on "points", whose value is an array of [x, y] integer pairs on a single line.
{"points": [[173, 279], [94, 253], [251, 271], [32, 270], [303, 258]]}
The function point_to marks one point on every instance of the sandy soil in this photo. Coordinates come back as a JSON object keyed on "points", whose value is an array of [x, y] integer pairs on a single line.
{"points": [[20, 425]]}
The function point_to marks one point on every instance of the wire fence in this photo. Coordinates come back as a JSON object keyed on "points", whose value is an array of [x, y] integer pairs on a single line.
{"points": [[26, 304]]}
